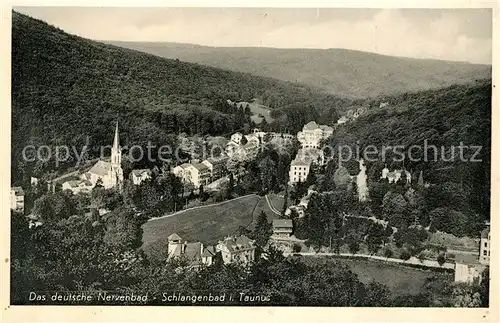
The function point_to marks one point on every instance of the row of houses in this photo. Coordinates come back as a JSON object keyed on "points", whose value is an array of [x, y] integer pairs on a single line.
{"points": [[234, 249]]}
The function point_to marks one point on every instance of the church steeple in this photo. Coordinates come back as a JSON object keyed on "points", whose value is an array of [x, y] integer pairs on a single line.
{"points": [[116, 154], [116, 141]]}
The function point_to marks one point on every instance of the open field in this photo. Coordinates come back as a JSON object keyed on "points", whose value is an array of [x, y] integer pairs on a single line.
{"points": [[399, 279], [259, 109], [207, 224], [278, 201], [455, 243]]}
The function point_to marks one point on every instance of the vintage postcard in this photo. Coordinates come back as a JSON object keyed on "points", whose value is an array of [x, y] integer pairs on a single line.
{"points": [[268, 159]]}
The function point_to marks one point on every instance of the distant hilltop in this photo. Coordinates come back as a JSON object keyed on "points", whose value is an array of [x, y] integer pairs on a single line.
{"points": [[348, 73]]}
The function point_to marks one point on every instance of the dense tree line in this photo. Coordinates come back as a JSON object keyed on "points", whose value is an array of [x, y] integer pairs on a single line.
{"points": [[104, 256], [70, 91], [457, 200]]}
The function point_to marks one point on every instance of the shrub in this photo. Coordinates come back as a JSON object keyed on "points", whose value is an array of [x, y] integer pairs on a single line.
{"points": [[388, 253], [405, 255], [441, 259], [296, 247], [421, 257]]}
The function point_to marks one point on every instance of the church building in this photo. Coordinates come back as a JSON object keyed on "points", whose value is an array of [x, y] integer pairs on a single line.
{"points": [[110, 173]]}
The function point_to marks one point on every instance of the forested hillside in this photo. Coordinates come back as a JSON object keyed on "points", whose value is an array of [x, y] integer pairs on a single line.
{"points": [[345, 72], [66, 88], [446, 119]]}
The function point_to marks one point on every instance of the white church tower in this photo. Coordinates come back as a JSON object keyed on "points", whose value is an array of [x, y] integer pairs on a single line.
{"points": [[116, 171]]}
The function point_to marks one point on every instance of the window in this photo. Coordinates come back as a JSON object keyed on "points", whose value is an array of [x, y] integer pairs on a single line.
{"points": [[485, 253], [294, 173], [486, 244]]}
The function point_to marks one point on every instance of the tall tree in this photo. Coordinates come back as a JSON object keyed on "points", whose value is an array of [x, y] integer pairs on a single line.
{"points": [[262, 230]]}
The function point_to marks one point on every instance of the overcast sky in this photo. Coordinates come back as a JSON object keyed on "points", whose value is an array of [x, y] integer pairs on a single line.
{"points": [[450, 34]]}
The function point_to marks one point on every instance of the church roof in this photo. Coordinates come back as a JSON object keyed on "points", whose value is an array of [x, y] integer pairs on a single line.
{"points": [[116, 140], [101, 168]]}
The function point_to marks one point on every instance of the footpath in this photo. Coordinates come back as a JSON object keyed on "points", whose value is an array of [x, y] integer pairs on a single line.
{"points": [[412, 261]]}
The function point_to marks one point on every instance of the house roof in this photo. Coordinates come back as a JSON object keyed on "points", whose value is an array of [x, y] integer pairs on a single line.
{"points": [[73, 183], [311, 126], [237, 243], [326, 128], [139, 172], [208, 251], [217, 160], [485, 232], [18, 190], [200, 167], [282, 223], [301, 162], [101, 168], [189, 251], [174, 236], [468, 259]]}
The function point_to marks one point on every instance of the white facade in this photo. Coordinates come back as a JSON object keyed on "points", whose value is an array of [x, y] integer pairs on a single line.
{"points": [[236, 138], [197, 173], [312, 134], [342, 120], [395, 175], [466, 273], [140, 175], [77, 186], [484, 247], [240, 250], [17, 199]]}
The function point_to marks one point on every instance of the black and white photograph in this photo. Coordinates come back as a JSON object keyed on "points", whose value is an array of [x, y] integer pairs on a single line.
{"points": [[250, 157]]}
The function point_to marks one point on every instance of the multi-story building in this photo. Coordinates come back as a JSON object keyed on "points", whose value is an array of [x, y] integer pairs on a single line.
{"points": [[301, 165], [217, 166], [17, 199], [196, 173], [282, 228], [484, 247], [194, 254], [312, 134], [240, 250], [299, 169]]}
